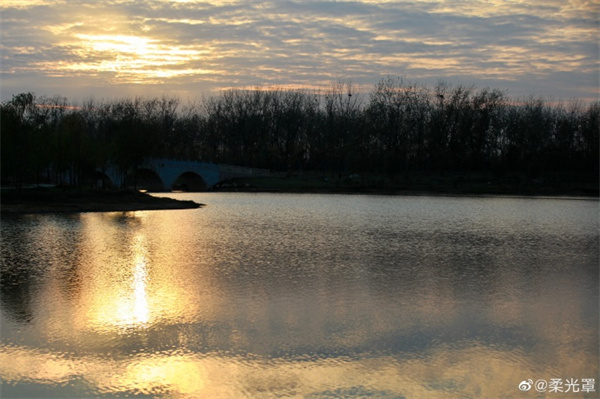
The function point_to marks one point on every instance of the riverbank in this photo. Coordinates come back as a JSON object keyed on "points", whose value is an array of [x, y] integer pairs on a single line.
{"points": [[72, 200], [60, 199], [451, 184]]}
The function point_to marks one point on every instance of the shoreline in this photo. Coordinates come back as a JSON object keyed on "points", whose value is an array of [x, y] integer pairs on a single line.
{"points": [[308, 185], [421, 193], [40, 201], [74, 200]]}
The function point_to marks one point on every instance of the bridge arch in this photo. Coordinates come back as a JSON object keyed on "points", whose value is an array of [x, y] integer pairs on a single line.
{"points": [[159, 174], [102, 180], [189, 181], [148, 179]]}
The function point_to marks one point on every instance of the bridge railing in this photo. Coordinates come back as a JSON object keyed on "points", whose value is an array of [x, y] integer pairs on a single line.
{"points": [[224, 171], [167, 162]]}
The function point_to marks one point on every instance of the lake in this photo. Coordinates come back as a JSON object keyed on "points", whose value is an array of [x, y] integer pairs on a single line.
{"points": [[305, 296]]}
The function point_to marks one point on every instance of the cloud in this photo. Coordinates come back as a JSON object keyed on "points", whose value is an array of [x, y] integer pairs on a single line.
{"points": [[203, 46]]}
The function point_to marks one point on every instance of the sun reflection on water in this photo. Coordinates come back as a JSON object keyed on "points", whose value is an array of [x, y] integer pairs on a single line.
{"points": [[146, 304], [118, 292], [446, 371], [140, 313], [116, 278]]}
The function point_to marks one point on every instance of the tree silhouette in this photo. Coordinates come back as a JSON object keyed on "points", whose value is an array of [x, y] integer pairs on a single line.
{"points": [[400, 129]]}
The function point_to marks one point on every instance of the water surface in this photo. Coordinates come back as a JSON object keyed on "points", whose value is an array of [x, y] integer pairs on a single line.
{"points": [[316, 296]]}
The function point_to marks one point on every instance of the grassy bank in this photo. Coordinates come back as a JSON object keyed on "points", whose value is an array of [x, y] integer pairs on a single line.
{"points": [[49, 200]]}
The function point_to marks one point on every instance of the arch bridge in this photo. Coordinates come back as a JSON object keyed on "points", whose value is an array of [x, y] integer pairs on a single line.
{"points": [[158, 174]]}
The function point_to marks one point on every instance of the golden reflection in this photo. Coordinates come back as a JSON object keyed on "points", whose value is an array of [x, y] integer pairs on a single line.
{"points": [[135, 275], [176, 372], [140, 308], [119, 288], [118, 295], [444, 371]]}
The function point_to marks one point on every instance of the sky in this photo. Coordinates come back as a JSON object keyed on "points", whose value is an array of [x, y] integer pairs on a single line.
{"points": [[85, 49]]}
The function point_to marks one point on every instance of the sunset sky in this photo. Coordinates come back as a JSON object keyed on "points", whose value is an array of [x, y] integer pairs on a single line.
{"points": [[104, 49]]}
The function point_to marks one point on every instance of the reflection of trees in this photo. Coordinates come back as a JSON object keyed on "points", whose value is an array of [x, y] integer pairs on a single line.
{"points": [[18, 288], [35, 251], [20, 279]]}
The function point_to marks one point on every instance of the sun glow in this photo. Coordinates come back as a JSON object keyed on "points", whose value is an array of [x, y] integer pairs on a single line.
{"points": [[135, 59], [139, 46]]}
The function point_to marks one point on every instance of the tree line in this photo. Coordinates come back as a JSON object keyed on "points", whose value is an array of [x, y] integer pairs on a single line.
{"points": [[398, 128]]}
